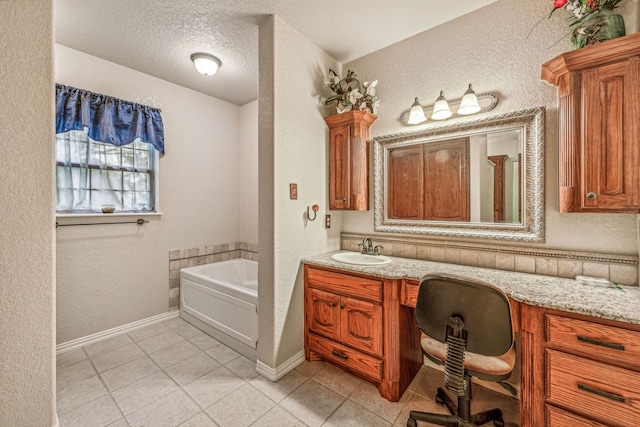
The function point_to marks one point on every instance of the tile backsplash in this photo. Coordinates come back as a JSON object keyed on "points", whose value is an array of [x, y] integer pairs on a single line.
{"points": [[622, 269], [180, 258]]}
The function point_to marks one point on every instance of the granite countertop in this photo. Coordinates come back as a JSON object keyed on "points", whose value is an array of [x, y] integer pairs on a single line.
{"points": [[542, 291]]}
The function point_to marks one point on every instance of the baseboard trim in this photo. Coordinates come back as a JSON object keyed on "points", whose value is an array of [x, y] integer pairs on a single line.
{"points": [[274, 374], [113, 332]]}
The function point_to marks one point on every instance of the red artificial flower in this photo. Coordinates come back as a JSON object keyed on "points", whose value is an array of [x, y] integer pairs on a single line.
{"points": [[557, 4]]}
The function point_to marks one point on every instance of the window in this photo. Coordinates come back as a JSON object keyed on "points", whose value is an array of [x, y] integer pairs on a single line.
{"points": [[92, 174]]}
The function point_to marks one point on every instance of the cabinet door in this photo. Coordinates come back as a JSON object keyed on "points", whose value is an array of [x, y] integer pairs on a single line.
{"points": [[323, 313], [610, 153], [361, 325], [339, 167], [446, 180], [405, 189]]}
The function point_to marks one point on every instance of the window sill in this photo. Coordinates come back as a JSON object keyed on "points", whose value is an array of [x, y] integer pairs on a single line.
{"points": [[101, 218]]}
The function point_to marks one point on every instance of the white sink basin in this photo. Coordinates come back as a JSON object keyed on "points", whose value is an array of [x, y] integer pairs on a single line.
{"points": [[360, 259]]}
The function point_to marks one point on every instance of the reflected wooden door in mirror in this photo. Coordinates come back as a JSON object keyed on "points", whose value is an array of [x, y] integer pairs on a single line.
{"points": [[430, 181]]}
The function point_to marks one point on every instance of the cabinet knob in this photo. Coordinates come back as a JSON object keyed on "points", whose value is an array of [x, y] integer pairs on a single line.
{"points": [[344, 200], [591, 195], [333, 304], [342, 306]]}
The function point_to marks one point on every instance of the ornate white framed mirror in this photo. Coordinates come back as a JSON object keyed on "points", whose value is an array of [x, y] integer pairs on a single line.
{"points": [[482, 178]]}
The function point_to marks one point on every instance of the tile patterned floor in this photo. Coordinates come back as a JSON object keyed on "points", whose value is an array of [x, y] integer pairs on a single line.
{"points": [[172, 374]]}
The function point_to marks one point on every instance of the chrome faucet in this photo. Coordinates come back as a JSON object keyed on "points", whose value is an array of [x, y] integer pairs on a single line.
{"points": [[367, 247]]}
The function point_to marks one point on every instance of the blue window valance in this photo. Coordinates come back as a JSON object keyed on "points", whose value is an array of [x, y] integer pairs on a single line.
{"points": [[108, 119]]}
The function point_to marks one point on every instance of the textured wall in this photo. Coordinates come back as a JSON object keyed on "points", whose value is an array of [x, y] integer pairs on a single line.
{"points": [[27, 283], [499, 49], [293, 149], [248, 170], [110, 275]]}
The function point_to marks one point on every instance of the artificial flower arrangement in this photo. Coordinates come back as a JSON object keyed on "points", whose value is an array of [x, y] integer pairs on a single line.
{"points": [[582, 8], [349, 95], [594, 20]]}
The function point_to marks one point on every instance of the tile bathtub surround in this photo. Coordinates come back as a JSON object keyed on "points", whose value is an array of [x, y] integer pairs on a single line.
{"points": [[181, 258], [198, 382], [622, 269]]}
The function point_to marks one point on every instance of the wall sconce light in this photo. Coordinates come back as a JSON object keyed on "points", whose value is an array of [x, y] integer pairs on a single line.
{"points": [[206, 64], [470, 103], [416, 114]]}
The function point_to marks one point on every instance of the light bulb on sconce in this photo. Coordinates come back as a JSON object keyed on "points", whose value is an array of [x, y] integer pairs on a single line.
{"points": [[469, 104], [206, 64], [441, 109], [416, 114]]}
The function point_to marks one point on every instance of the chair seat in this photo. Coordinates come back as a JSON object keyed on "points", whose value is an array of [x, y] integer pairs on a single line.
{"points": [[477, 365]]}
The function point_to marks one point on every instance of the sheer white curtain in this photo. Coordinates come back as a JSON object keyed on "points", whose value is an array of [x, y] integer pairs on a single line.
{"points": [[91, 174]]}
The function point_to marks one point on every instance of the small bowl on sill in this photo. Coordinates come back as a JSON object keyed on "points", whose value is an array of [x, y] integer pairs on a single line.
{"points": [[108, 209]]}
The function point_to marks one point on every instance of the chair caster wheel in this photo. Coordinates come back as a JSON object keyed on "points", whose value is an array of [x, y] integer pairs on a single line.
{"points": [[498, 423], [439, 400]]}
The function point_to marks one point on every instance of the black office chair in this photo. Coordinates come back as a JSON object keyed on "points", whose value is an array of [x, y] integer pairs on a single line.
{"points": [[466, 325]]}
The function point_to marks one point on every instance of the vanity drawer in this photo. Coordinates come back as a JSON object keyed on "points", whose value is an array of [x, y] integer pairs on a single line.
{"points": [[601, 341], [343, 284], [595, 390], [354, 361], [409, 292], [558, 418]]}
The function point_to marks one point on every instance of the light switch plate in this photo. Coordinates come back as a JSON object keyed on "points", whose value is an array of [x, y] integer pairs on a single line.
{"points": [[293, 191]]}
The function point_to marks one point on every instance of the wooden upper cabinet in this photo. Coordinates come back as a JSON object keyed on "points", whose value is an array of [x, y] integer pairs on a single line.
{"points": [[599, 129], [349, 138], [429, 181]]}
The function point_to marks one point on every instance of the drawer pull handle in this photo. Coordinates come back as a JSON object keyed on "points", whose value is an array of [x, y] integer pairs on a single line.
{"points": [[601, 343], [340, 355], [606, 394]]}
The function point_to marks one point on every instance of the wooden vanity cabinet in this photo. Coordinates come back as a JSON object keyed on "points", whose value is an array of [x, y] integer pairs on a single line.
{"points": [[590, 367], [357, 323], [599, 130], [349, 138]]}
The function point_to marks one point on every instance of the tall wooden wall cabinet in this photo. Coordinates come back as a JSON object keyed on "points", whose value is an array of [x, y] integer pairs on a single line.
{"points": [[599, 125], [349, 160]]}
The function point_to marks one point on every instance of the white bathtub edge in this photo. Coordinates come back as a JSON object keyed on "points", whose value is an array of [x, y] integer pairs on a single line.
{"points": [[113, 332], [274, 374]]}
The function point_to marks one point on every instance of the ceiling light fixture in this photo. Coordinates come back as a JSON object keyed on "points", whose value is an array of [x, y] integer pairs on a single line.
{"points": [[470, 103], [206, 64]]}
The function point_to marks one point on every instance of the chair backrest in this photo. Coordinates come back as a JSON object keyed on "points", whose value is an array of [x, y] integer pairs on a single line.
{"points": [[484, 309]]}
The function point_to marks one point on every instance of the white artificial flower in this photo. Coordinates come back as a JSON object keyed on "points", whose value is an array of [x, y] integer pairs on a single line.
{"points": [[342, 108], [354, 96], [371, 87], [362, 106], [375, 107]]}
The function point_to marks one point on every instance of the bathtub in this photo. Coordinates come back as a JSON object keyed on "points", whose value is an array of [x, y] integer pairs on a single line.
{"points": [[222, 299]]}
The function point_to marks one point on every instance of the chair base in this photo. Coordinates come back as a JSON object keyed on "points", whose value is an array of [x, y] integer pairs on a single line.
{"points": [[460, 417]]}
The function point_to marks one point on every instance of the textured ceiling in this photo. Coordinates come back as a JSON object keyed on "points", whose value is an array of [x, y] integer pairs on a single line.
{"points": [[157, 37]]}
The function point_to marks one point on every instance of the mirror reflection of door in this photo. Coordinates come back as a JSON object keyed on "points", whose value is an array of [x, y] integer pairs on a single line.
{"points": [[471, 179], [429, 181]]}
